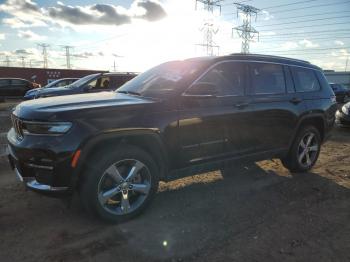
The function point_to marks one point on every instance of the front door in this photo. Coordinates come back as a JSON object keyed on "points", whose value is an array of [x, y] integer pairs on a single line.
{"points": [[208, 110]]}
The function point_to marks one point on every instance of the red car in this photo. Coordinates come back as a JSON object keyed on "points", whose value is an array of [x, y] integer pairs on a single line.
{"points": [[15, 87]]}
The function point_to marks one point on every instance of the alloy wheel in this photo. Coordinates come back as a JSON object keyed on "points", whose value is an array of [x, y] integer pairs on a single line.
{"points": [[308, 149], [124, 186]]}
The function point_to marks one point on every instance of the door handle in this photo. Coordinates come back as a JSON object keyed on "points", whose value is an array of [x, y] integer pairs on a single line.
{"points": [[295, 100], [241, 105]]}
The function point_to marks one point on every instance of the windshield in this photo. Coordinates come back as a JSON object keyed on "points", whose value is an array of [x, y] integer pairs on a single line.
{"points": [[162, 80], [82, 81], [52, 83]]}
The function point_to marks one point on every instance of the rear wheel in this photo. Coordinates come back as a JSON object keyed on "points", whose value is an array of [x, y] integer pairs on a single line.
{"points": [[120, 185], [304, 151]]}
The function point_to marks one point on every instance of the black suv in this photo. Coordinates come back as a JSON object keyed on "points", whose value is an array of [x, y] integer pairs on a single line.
{"points": [[15, 87], [114, 147]]}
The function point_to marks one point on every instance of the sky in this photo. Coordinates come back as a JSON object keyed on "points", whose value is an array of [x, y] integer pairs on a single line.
{"points": [[134, 35]]}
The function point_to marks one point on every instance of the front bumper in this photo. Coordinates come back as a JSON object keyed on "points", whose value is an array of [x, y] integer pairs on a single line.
{"points": [[342, 118], [43, 164], [30, 179]]}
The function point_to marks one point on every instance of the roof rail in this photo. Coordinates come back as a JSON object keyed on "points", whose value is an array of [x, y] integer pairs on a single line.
{"points": [[273, 56]]}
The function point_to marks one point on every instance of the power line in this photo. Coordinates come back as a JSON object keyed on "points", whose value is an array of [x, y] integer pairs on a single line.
{"points": [[297, 27], [309, 32], [306, 50], [312, 6], [313, 38], [301, 16], [295, 3], [309, 20]]}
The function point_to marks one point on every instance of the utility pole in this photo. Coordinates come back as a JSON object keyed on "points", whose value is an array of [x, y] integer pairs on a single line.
{"points": [[23, 62], [44, 53], [68, 64], [246, 31], [346, 63], [208, 28]]}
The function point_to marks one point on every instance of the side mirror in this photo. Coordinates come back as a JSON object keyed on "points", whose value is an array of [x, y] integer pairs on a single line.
{"points": [[202, 89]]}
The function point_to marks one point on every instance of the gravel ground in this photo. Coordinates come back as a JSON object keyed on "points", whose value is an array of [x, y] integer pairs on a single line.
{"points": [[258, 212]]}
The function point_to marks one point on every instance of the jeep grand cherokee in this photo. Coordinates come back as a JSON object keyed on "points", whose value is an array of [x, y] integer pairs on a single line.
{"points": [[114, 147]]}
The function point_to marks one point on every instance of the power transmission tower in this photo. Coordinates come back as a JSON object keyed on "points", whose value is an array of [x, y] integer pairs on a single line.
{"points": [[68, 64], [44, 53], [23, 62], [7, 61], [208, 28], [246, 31]]}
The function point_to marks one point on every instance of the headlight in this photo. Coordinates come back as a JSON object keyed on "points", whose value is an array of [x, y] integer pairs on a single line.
{"points": [[345, 108], [46, 128]]}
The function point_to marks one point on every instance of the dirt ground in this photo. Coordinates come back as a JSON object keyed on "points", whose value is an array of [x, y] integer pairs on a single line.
{"points": [[258, 212]]}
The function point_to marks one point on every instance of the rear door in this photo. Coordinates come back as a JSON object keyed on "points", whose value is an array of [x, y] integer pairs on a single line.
{"points": [[18, 87], [276, 105]]}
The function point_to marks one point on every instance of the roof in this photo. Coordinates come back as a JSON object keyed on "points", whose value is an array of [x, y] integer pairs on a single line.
{"points": [[259, 57], [120, 74], [13, 78]]}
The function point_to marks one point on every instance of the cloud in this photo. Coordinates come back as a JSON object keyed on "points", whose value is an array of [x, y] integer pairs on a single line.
{"points": [[266, 15], [289, 45], [2, 36], [153, 10], [308, 43], [27, 13], [30, 35], [338, 42]]}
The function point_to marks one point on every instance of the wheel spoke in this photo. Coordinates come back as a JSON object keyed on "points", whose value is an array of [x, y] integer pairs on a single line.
{"points": [[308, 160], [301, 157], [302, 144], [313, 148], [125, 204], [113, 172], [309, 139], [134, 170], [104, 196], [141, 188]]}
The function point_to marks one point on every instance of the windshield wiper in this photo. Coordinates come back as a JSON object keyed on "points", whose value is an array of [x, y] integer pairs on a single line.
{"points": [[129, 92]]}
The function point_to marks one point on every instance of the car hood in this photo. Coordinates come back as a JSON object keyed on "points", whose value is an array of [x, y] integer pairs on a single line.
{"points": [[53, 90], [44, 108]]}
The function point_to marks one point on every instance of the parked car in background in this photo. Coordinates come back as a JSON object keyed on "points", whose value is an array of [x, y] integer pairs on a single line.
{"points": [[197, 114], [343, 115], [57, 83], [15, 87], [88, 84], [340, 91]]}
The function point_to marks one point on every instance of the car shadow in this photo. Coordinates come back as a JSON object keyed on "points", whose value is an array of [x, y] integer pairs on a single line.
{"points": [[200, 214]]}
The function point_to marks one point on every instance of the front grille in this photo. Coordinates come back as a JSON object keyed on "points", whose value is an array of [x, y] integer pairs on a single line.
{"points": [[18, 126]]}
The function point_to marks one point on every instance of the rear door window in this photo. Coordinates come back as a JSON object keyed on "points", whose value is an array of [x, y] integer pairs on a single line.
{"points": [[305, 79], [17, 82], [267, 79]]}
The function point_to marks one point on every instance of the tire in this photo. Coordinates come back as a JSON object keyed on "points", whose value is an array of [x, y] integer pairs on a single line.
{"points": [[303, 154], [119, 185]]}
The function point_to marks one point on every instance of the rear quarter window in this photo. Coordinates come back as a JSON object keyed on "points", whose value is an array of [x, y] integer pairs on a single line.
{"points": [[305, 79], [18, 82]]}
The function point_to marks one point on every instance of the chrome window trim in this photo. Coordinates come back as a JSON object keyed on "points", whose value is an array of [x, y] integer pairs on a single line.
{"points": [[237, 60]]}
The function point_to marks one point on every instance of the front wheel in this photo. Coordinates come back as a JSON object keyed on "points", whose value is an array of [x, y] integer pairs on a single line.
{"points": [[120, 184], [304, 151]]}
